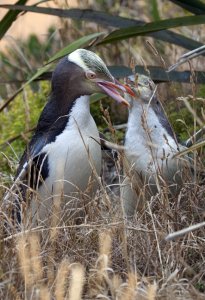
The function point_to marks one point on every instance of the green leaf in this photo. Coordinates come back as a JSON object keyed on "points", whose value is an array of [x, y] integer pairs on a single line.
{"points": [[98, 17], [160, 75], [157, 74], [154, 10], [9, 18], [75, 45], [105, 19], [133, 31], [97, 97], [37, 74], [194, 6]]}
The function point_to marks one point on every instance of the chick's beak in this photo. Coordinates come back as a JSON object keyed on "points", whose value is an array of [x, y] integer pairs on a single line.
{"points": [[112, 89]]}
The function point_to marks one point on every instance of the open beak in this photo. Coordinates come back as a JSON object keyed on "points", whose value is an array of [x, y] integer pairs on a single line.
{"points": [[112, 89]]}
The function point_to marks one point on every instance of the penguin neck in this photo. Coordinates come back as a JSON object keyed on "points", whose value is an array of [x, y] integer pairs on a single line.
{"points": [[79, 113]]}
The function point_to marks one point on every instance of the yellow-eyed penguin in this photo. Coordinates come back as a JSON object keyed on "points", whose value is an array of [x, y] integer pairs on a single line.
{"points": [[64, 152]]}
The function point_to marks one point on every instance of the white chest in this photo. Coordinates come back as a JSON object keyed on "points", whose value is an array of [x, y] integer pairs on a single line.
{"points": [[75, 154]]}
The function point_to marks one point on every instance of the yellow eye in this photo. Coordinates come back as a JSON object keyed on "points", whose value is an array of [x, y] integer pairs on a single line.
{"points": [[90, 75]]}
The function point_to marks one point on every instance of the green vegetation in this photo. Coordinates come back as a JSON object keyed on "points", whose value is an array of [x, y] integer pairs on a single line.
{"points": [[17, 122]]}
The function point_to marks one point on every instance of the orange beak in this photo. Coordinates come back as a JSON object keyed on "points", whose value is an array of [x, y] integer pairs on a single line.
{"points": [[112, 89]]}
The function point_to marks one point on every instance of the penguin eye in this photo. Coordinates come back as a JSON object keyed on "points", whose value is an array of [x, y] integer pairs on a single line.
{"points": [[90, 75]]}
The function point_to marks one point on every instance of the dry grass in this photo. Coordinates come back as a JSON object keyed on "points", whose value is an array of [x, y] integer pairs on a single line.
{"points": [[108, 257]]}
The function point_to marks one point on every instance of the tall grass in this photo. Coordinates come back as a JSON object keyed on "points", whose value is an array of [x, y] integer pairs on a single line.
{"points": [[107, 256]]}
